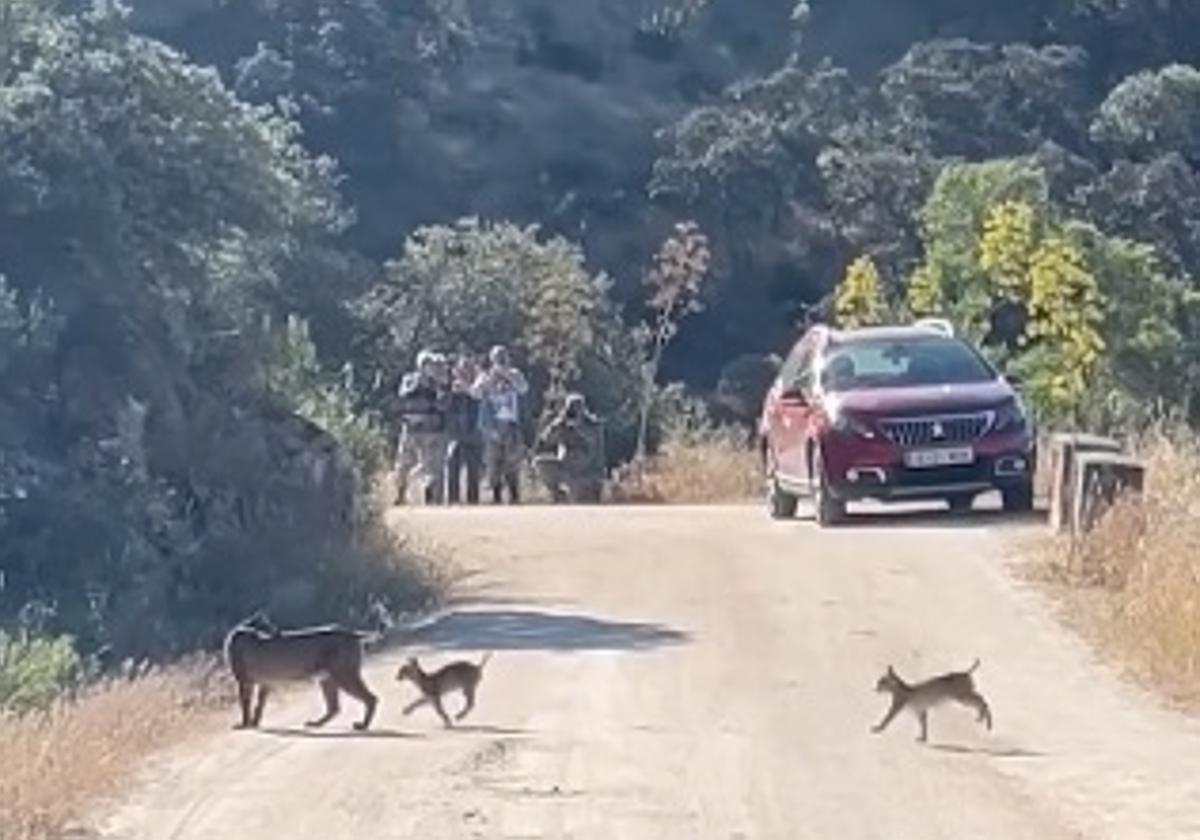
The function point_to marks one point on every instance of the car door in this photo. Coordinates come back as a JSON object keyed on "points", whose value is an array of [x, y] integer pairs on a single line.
{"points": [[790, 413], [807, 413]]}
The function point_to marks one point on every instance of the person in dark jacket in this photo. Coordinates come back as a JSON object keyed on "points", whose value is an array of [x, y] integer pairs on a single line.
{"points": [[465, 436], [575, 471], [421, 452]]}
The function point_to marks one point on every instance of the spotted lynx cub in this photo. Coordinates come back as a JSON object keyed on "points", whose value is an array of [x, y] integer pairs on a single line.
{"points": [[460, 676], [919, 698]]}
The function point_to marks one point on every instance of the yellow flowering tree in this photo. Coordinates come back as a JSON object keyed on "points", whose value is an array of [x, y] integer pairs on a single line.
{"points": [[1094, 323], [859, 301], [1031, 275], [1066, 311], [1005, 248], [924, 296]]}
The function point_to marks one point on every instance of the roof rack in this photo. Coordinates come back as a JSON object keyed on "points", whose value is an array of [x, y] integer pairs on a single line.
{"points": [[936, 324]]}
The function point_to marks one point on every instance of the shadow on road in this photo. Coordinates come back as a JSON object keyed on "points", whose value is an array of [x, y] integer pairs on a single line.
{"points": [[517, 629], [297, 732], [485, 729], [930, 518], [991, 752]]}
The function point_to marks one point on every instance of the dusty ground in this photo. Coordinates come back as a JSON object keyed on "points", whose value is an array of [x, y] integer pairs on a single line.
{"points": [[677, 673]]}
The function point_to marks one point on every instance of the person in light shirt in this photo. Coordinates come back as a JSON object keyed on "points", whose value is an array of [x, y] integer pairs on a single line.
{"points": [[500, 390]]}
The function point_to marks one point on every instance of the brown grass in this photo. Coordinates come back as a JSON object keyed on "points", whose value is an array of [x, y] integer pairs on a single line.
{"points": [[713, 470], [1134, 582], [59, 763]]}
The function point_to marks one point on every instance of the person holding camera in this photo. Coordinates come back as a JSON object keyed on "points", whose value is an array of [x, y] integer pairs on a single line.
{"points": [[466, 441], [501, 389], [575, 471]]}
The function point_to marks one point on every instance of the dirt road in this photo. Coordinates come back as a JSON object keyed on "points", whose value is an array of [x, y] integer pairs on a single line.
{"points": [[680, 673]]}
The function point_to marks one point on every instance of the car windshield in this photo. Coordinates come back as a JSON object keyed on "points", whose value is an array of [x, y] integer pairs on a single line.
{"points": [[899, 363]]}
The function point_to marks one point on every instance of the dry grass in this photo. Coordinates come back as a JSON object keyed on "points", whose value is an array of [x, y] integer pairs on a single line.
{"points": [[55, 767], [59, 763], [713, 470], [1134, 582]]}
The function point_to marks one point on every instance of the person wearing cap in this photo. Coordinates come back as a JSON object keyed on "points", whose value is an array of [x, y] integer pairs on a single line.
{"points": [[421, 451], [574, 472], [501, 389]]}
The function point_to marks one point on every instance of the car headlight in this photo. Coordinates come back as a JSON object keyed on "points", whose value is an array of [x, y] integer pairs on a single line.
{"points": [[850, 425], [1010, 417]]}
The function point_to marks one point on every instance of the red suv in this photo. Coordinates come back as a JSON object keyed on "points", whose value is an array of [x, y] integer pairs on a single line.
{"points": [[892, 413]]}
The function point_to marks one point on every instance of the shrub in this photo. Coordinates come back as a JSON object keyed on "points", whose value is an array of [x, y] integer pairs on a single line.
{"points": [[294, 376], [34, 672], [697, 460], [1144, 559]]}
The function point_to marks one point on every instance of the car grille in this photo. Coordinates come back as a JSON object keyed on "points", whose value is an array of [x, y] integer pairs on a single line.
{"points": [[935, 431]]}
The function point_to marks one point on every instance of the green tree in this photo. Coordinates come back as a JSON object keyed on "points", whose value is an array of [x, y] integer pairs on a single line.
{"points": [[952, 222], [1031, 293], [35, 672], [982, 100], [474, 284], [149, 221], [1152, 113], [1152, 359], [1154, 201], [1091, 320]]}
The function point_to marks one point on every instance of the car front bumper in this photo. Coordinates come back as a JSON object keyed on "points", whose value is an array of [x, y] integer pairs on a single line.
{"points": [[879, 472]]}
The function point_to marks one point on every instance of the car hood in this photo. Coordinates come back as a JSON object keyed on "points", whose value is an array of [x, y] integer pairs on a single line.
{"points": [[924, 399]]}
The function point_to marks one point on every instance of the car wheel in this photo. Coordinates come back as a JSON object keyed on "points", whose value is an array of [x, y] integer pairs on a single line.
{"points": [[780, 503], [1018, 499], [961, 502], [827, 509]]}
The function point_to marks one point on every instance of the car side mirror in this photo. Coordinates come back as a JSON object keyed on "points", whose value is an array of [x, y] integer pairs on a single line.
{"points": [[1015, 380]]}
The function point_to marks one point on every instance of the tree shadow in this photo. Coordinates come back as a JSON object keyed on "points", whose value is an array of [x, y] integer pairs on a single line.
{"points": [[518, 629], [317, 734], [991, 752], [927, 518]]}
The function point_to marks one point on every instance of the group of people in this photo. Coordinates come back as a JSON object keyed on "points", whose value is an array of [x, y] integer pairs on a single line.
{"points": [[463, 420]]}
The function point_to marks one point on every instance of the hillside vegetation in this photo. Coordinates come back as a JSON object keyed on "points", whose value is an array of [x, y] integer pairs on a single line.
{"points": [[800, 135], [211, 279], [226, 229]]}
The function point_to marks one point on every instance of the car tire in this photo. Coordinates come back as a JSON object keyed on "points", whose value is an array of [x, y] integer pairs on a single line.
{"points": [[827, 509], [961, 502], [780, 503], [1018, 499]]}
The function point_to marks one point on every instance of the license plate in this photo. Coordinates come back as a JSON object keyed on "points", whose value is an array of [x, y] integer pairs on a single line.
{"points": [[921, 459]]}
